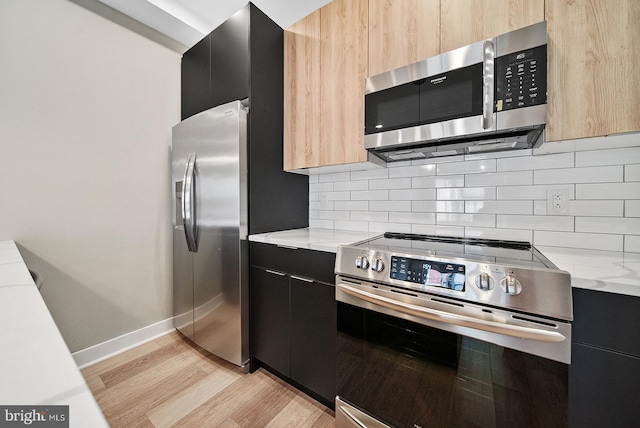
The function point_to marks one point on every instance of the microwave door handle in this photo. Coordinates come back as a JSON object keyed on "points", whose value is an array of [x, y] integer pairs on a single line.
{"points": [[488, 83], [188, 203], [454, 319]]}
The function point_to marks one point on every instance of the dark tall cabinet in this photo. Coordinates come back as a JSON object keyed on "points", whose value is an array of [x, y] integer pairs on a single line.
{"points": [[244, 58]]}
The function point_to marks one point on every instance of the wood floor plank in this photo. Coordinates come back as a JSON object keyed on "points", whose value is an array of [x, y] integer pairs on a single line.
{"points": [[118, 360], [169, 338], [143, 363], [219, 408], [127, 412], [181, 404], [326, 420], [300, 412]]}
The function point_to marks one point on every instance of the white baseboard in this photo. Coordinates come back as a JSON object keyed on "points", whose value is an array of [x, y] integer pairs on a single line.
{"points": [[102, 351]]}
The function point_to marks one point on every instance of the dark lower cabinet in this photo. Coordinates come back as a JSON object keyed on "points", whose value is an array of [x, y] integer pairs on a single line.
{"points": [[313, 336], [604, 375], [293, 317], [270, 318]]}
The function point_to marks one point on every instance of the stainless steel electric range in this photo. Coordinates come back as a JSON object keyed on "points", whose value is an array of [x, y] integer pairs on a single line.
{"points": [[441, 331]]}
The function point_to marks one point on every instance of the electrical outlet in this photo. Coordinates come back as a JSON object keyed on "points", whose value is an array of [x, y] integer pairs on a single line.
{"points": [[324, 201], [557, 201]]}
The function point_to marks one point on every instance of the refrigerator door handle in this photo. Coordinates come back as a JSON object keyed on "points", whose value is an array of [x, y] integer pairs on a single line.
{"points": [[189, 203]]}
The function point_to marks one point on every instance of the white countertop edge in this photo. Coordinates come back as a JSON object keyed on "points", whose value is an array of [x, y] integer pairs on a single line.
{"points": [[326, 240]]}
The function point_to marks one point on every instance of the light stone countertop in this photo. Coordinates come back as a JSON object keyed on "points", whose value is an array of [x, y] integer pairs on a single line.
{"points": [[608, 271], [36, 366]]}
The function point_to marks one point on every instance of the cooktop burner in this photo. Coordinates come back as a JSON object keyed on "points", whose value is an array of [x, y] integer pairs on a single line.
{"points": [[484, 250]]}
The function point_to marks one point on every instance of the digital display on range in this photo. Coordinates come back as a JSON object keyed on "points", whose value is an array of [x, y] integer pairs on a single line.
{"points": [[426, 272]]}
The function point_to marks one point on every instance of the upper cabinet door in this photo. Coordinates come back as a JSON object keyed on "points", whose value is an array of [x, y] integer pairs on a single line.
{"points": [[402, 32], [468, 21], [344, 50], [302, 93], [593, 62]]}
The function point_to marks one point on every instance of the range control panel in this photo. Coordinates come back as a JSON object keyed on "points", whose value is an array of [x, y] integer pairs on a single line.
{"points": [[521, 79], [428, 272]]}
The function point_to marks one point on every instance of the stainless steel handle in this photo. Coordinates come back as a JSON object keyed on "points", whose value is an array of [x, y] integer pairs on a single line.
{"points": [[455, 319], [488, 83], [275, 272], [348, 416], [300, 278], [189, 203]]}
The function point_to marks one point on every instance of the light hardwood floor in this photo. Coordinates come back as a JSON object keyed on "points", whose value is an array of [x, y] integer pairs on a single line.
{"points": [[170, 382]]}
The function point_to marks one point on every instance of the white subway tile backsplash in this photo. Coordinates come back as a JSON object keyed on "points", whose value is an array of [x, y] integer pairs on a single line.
{"points": [[351, 205], [504, 234], [360, 226], [412, 171], [333, 215], [589, 241], [493, 195], [608, 191], [414, 218], [598, 174], [596, 208], [531, 192], [336, 176], [632, 243], [467, 167], [438, 229], [390, 183], [499, 207], [351, 185], [514, 178], [438, 206], [532, 222], [370, 195], [632, 172], [476, 220], [390, 206], [467, 193], [623, 226], [390, 227], [619, 156], [412, 195], [561, 160], [431, 182], [632, 208], [370, 174], [381, 216]]}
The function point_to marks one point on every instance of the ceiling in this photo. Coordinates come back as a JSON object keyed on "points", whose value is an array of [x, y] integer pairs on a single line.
{"points": [[188, 21]]}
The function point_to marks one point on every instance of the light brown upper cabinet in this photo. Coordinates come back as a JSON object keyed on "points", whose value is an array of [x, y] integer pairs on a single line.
{"points": [[402, 32], [593, 63], [467, 21], [326, 63], [302, 139]]}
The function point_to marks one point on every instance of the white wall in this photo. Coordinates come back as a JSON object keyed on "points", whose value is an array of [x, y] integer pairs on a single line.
{"points": [[499, 196], [86, 110]]}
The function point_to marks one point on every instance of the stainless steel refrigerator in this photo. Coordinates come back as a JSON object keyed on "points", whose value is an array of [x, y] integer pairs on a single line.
{"points": [[210, 248]]}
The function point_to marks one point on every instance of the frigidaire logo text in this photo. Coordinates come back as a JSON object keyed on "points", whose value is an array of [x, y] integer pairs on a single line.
{"points": [[438, 80]]}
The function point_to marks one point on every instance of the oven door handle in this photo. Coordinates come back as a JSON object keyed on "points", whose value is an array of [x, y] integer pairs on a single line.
{"points": [[455, 319]]}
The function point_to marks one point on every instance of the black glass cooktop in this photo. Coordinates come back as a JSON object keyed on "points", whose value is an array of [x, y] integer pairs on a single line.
{"points": [[473, 249]]}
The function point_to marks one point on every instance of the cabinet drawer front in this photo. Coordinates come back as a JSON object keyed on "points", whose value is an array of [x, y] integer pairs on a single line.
{"points": [[316, 265]]}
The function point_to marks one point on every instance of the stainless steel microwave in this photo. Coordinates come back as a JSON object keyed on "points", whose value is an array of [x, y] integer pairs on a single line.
{"points": [[487, 96]]}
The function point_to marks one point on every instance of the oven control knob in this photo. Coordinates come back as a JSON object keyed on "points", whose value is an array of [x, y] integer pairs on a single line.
{"points": [[362, 262], [511, 285], [484, 281], [377, 265]]}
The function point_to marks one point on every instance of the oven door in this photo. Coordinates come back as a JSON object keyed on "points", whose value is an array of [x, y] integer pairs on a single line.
{"points": [[399, 369]]}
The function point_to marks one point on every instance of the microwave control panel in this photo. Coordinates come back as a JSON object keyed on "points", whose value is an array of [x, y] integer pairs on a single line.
{"points": [[521, 79]]}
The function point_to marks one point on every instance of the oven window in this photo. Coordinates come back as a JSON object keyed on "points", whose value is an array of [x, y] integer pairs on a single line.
{"points": [[411, 375]]}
